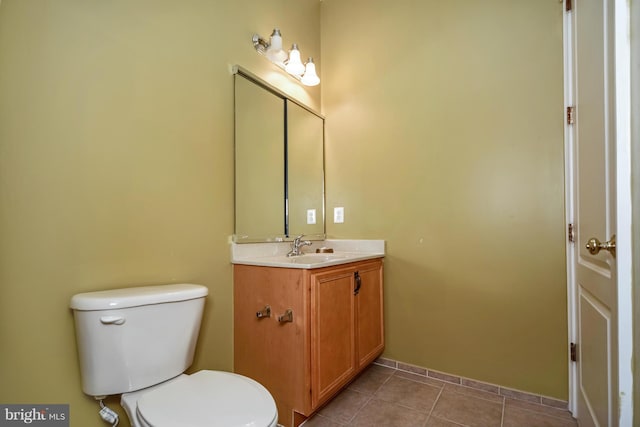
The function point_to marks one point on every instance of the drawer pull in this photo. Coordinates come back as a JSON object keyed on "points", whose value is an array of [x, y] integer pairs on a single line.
{"points": [[286, 317], [265, 312]]}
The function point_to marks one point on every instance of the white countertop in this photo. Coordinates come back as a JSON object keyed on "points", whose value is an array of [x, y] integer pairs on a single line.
{"points": [[275, 254]]}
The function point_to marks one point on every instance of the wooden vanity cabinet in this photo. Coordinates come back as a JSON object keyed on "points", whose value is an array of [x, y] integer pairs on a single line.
{"points": [[336, 330]]}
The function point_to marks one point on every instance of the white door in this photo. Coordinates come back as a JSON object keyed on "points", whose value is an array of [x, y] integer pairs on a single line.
{"points": [[601, 214]]}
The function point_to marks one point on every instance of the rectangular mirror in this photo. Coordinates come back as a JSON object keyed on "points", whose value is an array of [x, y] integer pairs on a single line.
{"points": [[279, 164]]}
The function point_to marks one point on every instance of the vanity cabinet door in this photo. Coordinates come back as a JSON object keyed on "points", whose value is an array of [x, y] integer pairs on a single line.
{"points": [[369, 312], [333, 357]]}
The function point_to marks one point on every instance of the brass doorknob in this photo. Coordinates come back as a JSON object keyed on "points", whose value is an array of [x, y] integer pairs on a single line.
{"points": [[594, 246]]}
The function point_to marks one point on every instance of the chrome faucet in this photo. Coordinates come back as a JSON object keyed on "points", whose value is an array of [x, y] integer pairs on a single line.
{"points": [[296, 246]]}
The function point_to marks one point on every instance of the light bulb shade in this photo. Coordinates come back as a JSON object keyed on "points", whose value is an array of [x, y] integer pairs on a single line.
{"points": [[295, 65], [310, 77], [274, 51]]}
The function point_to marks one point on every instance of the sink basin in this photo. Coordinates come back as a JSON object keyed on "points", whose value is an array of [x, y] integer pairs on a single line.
{"points": [[308, 261]]}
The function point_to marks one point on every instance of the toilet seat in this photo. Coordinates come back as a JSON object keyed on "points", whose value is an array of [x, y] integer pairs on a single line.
{"points": [[208, 399]]}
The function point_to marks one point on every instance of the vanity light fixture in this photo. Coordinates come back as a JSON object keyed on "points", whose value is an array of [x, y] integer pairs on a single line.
{"points": [[291, 63]]}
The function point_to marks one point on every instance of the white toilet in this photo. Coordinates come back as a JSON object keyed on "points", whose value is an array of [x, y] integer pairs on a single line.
{"points": [[139, 341]]}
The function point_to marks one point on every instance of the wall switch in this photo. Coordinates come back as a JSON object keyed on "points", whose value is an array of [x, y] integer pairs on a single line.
{"points": [[311, 216], [338, 215]]}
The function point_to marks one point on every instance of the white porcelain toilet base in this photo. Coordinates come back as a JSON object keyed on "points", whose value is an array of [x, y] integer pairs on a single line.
{"points": [[203, 399]]}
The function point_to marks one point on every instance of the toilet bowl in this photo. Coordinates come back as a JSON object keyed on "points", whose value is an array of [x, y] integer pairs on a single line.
{"points": [[203, 399]]}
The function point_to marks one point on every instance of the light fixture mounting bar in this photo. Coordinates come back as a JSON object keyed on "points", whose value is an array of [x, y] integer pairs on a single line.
{"points": [[260, 44]]}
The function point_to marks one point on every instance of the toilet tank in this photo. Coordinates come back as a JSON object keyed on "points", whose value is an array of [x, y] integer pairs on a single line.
{"points": [[133, 338]]}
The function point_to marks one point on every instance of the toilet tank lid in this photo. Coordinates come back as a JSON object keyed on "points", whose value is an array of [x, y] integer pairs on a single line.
{"points": [[133, 297]]}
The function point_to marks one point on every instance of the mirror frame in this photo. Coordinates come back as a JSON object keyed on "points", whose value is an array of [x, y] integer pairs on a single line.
{"points": [[286, 236]]}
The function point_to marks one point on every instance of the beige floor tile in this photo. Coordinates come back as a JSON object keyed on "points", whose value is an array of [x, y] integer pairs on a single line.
{"points": [[467, 410], [384, 397], [408, 393], [517, 417], [437, 422], [320, 421], [548, 410], [377, 413], [492, 397], [345, 406], [419, 378], [371, 379]]}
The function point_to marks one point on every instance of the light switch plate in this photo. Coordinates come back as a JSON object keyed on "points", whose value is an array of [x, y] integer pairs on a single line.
{"points": [[338, 215]]}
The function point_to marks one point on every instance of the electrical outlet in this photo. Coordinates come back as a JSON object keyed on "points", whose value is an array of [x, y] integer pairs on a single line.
{"points": [[338, 215], [311, 216]]}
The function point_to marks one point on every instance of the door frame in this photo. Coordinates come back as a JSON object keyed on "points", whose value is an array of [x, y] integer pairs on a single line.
{"points": [[624, 263]]}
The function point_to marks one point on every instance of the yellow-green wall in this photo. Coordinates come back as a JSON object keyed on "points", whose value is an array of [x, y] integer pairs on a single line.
{"points": [[116, 166], [445, 137]]}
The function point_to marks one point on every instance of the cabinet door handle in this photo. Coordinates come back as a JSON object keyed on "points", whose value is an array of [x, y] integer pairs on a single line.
{"points": [[286, 317], [358, 279], [265, 312]]}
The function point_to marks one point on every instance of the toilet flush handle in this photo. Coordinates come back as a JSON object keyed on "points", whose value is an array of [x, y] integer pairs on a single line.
{"points": [[286, 317], [112, 320]]}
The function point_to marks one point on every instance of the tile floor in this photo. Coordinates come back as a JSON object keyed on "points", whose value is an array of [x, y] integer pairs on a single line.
{"points": [[385, 397]]}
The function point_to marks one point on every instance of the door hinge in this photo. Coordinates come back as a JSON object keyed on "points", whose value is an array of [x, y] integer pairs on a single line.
{"points": [[574, 352], [571, 233], [568, 6], [571, 118]]}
